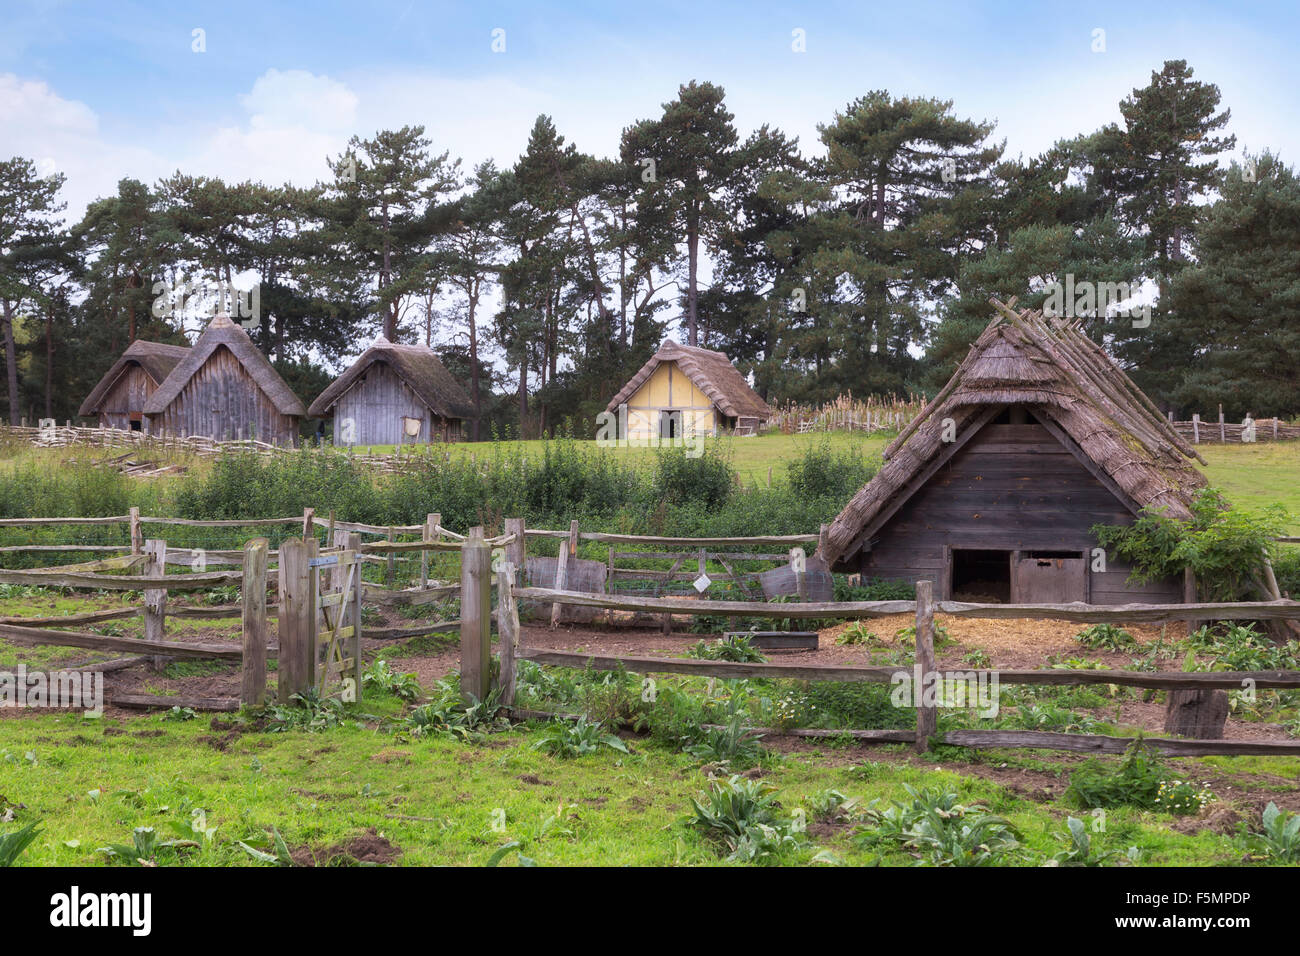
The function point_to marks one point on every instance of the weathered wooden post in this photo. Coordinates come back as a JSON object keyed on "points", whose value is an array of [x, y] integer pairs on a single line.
{"points": [[252, 683], [428, 533], [927, 714], [507, 630], [1223, 435], [568, 550], [353, 544], [1196, 428], [155, 600], [297, 617], [475, 616], [308, 523], [137, 533], [517, 550]]}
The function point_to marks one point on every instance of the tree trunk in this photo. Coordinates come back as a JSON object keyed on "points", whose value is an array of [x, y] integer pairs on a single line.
{"points": [[49, 360], [11, 362], [523, 392], [692, 287], [473, 361], [1199, 714]]}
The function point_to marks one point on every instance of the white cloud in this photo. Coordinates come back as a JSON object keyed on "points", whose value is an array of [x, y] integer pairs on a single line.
{"points": [[298, 99]]}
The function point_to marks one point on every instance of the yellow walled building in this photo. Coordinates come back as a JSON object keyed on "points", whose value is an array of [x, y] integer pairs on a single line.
{"points": [[685, 390]]}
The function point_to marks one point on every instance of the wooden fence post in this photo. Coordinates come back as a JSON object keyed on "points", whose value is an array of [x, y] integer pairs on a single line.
{"points": [[428, 533], [353, 543], [137, 533], [568, 550], [155, 601], [308, 523], [1196, 428], [390, 571], [927, 714], [297, 617], [475, 616], [517, 550], [1223, 435], [507, 630], [252, 683]]}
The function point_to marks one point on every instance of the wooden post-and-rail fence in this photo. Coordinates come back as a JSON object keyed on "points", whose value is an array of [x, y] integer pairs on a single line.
{"points": [[475, 638]]}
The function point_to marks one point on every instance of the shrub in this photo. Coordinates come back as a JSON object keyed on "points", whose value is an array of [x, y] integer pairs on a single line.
{"points": [[741, 816], [822, 472], [576, 738], [1140, 780], [678, 479]]}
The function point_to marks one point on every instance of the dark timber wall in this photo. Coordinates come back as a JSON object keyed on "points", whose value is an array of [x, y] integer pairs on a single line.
{"points": [[1012, 488], [376, 404], [222, 401], [126, 397]]}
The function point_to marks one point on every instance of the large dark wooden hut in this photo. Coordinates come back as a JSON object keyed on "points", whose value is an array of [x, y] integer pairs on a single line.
{"points": [[992, 490], [118, 400], [225, 389], [395, 395]]}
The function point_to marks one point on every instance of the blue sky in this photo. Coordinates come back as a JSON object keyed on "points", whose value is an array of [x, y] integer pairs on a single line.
{"points": [[101, 91]]}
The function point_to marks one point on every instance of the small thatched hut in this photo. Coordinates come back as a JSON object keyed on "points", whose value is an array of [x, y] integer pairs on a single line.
{"points": [[992, 490], [683, 387], [225, 389], [393, 395], [119, 398]]}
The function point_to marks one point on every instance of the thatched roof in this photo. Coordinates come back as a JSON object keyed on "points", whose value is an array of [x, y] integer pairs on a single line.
{"points": [[1068, 383], [221, 331], [155, 358], [712, 372], [417, 366]]}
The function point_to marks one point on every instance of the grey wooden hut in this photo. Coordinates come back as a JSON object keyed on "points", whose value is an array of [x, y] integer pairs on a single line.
{"points": [[118, 400], [394, 395], [224, 389], [992, 491]]}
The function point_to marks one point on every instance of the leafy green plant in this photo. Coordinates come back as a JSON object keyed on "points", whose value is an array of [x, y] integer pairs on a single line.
{"points": [[1108, 637], [1223, 546], [937, 828], [270, 848], [737, 648], [729, 743], [145, 848], [1079, 849], [382, 677], [1136, 782], [832, 806], [978, 657], [576, 738], [306, 711], [14, 843], [1279, 839], [856, 633], [741, 816]]}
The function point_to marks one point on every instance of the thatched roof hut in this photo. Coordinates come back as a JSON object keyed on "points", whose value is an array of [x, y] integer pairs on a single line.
{"points": [[118, 400], [996, 484], [683, 385], [225, 388], [394, 394]]}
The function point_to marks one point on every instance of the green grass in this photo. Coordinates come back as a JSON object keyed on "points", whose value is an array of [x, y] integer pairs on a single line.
{"points": [[92, 782], [1257, 475]]}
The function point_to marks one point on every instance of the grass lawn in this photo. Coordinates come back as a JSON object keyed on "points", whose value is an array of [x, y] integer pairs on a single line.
{"points": [[440, 801]]}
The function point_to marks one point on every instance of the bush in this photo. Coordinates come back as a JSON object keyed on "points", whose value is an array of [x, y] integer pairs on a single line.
{"points": [[822, 472], [1108, 636], [706, 481], [1141, 780]]}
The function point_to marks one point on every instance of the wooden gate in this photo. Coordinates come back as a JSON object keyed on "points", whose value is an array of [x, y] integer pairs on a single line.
{"points": [[336, 647]]}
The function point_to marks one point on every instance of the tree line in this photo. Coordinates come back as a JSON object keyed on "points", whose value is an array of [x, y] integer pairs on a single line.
{"points": [[865, 268]]}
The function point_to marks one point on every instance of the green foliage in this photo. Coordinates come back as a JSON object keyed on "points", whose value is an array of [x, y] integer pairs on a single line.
{"points": [[940, 830], [679, 479], [1111, 637], [447, 714], [1079, 849], [873, 589], [576, 738], [1223, 546], [382, 677], [822, 472], [145, 849], [1279, 839], [856, 633], [729, 743], [738, 648], [1140, 780], [741, 816], [13, 844], [306, 711]]}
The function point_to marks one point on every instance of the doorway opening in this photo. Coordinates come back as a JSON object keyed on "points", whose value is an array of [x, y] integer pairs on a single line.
{"points": [[981, 576], [670, 424]]}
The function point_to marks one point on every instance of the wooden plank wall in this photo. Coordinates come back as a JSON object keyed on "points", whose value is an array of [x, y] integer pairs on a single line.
{"points": [[377, 402], [222, 401], [127, 395], [1012, 488]]}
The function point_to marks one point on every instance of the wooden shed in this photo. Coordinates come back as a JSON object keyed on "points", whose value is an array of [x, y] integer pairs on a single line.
{"points": [[395, 395], [992, 490], [119, 398], [225, 389], [683, 387]]}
